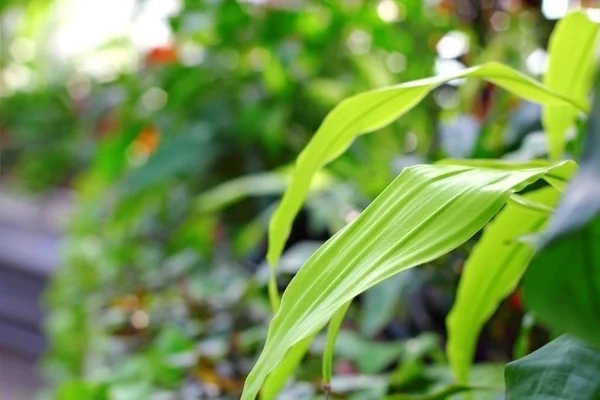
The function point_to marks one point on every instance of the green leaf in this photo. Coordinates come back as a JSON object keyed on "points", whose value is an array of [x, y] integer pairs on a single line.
{"points": [[570, 72], [230, 192], [277, 380], [558, 181], [531, 205], [262, 184], [572, 240], [373, 110], [562, 284], [565, 369], [426, 212], [491, 273], [79, 389], [332, 334]]}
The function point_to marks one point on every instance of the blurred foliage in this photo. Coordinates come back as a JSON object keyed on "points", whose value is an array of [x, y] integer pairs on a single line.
{"points": [[163, 286]]}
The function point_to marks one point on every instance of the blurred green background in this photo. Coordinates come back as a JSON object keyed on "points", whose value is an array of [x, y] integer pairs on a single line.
{"points": [[169, 128]]}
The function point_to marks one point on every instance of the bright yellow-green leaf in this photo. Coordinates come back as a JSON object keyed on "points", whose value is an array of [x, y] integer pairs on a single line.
{"points": [[491, 273], [372, 110], [571, 50], [332, 333], [277, 380], [558, 180], [495, 163], [426, 212], [525, 201]]}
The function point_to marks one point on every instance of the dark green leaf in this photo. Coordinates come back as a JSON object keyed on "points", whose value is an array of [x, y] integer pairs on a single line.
{"points": [[565, 369], [562, 284]]}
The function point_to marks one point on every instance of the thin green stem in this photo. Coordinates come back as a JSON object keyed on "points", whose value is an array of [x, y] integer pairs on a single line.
{"points": [[273, 292]]}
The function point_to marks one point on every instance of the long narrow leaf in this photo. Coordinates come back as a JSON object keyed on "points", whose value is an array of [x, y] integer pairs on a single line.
{"points": [[261, 184], [372, 110], [572, 50], [426, 212], [332, 334], [492, 272]]}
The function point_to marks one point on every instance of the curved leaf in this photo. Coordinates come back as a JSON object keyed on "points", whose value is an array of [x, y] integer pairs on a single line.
{"points": [[261, 184], [230, 192], [571, 51], [332, 334], [491, 273], [372, 110], [426, 212]]}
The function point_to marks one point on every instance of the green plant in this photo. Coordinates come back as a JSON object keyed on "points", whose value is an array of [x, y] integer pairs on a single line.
{"points": [[429, 210], [164, 287], [173, 204]]}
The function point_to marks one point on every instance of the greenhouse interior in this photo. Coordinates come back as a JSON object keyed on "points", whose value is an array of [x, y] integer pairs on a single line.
{"points": [[299, 199]]}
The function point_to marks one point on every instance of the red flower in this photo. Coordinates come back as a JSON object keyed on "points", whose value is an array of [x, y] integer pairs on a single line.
{"points": [[515, 300], [161, 55]]}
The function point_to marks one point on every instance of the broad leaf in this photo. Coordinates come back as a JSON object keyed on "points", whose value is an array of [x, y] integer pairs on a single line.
{"points": [[569, 299], [571, 50], [562, 284], [491, 273], [426, 212], [373, 110], [563, 369]]}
